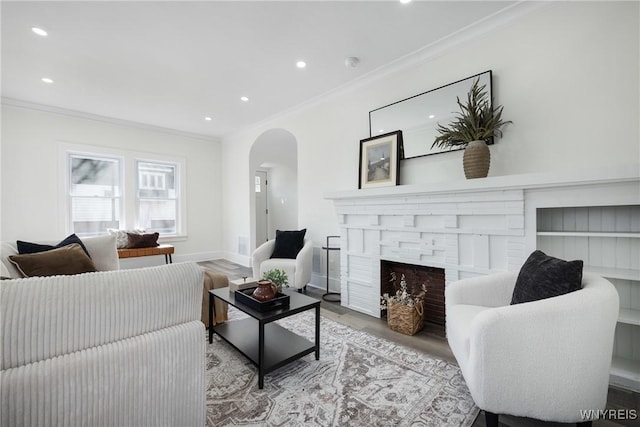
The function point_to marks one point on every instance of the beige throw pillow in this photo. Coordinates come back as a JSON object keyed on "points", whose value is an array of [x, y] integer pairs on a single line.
{"points": [[103, 252], [66, 260], [122, 238]]}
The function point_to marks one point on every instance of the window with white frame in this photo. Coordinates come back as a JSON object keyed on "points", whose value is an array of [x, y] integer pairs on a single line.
{"points": [[95, 192], [157, 196], [117, 189]]}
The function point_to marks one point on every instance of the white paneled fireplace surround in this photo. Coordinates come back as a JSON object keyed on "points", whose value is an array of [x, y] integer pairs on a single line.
{"points": [[477, 227]]}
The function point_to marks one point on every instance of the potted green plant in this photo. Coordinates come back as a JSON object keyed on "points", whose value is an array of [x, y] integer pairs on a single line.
{"points": [[278, 277], [475, 124]]}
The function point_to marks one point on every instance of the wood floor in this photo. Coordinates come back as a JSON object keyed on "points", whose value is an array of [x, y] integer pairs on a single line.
{"points": [[430, 340]]}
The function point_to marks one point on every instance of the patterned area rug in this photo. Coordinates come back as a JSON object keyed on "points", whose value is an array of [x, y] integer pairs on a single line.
{"points": [[360, 380]]}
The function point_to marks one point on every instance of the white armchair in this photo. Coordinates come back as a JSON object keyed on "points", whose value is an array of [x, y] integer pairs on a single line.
{"points": [[547, 359], [298, 270]]}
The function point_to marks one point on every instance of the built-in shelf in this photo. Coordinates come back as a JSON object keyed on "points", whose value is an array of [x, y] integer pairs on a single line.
{"points": [[615, 255], [614, 273], [587, 234], [626, 373], [629, 316]]}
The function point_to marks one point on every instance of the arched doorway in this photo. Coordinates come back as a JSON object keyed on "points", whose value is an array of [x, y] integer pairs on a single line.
{"points": [[273, 184]]}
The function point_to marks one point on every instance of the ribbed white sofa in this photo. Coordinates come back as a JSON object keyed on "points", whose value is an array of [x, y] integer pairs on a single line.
{"points": [[122, 348]]}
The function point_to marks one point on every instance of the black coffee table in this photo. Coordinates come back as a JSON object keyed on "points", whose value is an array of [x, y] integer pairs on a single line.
{"points": [[268, 345]]}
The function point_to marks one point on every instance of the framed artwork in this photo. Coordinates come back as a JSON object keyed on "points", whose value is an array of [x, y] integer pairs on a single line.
{"points": [[380, 160]]}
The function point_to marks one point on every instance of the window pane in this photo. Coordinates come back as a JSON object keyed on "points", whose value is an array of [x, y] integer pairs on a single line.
{"points": [[158, 215], [94, 215], [157, 195], [95, 177], [94, 190], [156, 180]]}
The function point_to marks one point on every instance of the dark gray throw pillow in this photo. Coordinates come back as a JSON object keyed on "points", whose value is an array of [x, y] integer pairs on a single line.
{"points": [[288, 243], [543, 276], [33, 248]]}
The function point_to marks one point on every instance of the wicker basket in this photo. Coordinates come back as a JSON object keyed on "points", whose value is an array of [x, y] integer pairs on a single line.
{"points": [[405, 319]]}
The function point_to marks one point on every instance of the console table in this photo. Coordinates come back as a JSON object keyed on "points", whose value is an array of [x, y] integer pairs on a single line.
{"points": [[166, 250]]}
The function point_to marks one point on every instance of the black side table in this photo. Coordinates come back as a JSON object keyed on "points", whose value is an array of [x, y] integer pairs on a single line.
{"points": [[269, 346], [330, 296]]}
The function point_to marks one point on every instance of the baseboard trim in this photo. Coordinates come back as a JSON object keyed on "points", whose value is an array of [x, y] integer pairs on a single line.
{"points": [[198, 256], [319, 281], [243, 260]]}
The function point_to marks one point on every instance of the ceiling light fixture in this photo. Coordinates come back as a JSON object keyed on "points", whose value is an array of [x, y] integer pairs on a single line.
{"points": [[244, 99], [431, 116], [47, 80], [301, 64], [208, 118], [39, 31], [351, 62], [405, 1]]}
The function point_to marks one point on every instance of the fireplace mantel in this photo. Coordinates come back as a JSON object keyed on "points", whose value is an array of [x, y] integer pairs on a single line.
{"points": [[626, 173], [469, 228]]}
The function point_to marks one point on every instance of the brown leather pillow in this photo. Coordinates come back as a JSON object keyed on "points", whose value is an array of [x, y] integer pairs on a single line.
{"points": [[149, 240], [70, 259]]}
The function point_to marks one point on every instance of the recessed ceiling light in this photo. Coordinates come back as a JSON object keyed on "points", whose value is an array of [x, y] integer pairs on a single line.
{"points": [[301, 64], [244, 99], [431, 116], [405, 1], [351, 62], [47, 80], [39, 31], [381, 130], [208, 118]]}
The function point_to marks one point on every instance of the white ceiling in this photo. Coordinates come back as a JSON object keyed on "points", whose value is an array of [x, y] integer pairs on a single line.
{"points": [[170, 64]]}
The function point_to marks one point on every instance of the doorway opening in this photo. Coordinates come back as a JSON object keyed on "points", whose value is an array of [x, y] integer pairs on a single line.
{"points": [[261, 194]]}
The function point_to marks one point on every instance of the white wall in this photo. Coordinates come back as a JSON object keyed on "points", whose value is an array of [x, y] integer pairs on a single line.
{"points": [[567, 75], [283, 199], [30, 170]]}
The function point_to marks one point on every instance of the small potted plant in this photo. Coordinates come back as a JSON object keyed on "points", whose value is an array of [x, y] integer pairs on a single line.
{"points": [[475, 124], [278, 277]]}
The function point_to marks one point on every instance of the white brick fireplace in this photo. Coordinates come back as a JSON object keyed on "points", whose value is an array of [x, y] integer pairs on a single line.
{"points": [[469, 228], [481, 226]]}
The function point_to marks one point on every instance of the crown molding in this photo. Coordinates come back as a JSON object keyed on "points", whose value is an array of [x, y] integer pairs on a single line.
{"points": [[425, 54], [12, 102]]}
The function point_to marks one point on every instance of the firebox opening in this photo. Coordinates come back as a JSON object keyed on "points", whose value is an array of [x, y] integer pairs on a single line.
{"points": [[415, 275]]}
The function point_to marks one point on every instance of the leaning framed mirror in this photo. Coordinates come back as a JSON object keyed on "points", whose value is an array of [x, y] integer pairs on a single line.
{"points": [[418, 116]]}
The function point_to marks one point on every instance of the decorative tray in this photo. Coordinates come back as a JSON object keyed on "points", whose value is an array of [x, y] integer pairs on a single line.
{"points": [[245, 296]]}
